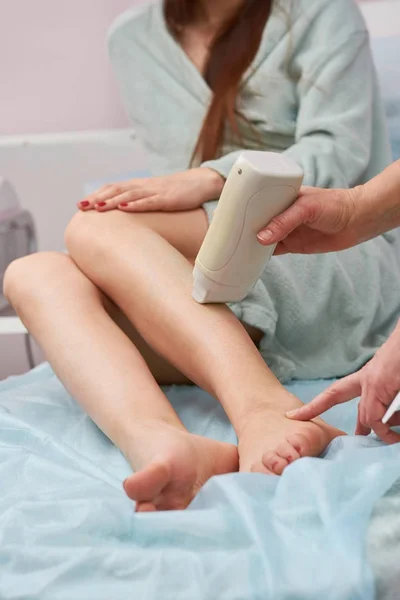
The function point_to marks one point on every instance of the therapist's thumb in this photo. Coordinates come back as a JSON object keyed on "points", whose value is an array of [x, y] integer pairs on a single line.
{"points": [[342, 391], [284, 224]]}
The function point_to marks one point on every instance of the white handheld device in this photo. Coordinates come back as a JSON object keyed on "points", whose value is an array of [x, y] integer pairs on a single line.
{"points": [[260, 186]]}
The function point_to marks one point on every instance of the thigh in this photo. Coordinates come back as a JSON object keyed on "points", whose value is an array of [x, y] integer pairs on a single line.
{"points": [[184, 230]]}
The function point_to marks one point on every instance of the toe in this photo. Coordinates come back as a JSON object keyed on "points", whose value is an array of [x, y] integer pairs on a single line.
{"points": [[147, 484], [274, 463], [286, 451], [145, 507], [300, 443]]}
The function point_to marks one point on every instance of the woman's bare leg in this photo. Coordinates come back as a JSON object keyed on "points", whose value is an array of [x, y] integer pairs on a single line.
{"points": [[163, 372], [151, 282], [101, 367]]}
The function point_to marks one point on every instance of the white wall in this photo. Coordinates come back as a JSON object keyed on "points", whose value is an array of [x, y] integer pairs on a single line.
{"points": [[54, 70], [49, 173]]}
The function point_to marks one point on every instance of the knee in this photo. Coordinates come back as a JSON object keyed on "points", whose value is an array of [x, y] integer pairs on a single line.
{"points": [[20, 277], [92, 236], [79, 232], [88, 238], [27, 278]]}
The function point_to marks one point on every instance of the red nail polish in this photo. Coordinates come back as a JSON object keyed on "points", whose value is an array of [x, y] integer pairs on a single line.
{"points": [[84, 203], [124, 204], [101, 204]]}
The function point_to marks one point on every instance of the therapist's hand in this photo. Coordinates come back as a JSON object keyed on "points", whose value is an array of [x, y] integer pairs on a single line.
{"points": [[331, 220], [378, 383], [181, 191], [319, 221]]}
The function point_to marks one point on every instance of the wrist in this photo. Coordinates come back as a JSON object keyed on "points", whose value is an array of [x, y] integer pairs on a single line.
{"points": [[382, 200], [357, 200], [214, 182], [367, 212]]}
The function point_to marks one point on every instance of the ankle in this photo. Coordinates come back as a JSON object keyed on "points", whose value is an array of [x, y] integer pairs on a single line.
{"points": [[137, 436], [276, 402]]}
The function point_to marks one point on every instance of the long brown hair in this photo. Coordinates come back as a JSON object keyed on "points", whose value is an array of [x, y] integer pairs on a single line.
{"points": [[231, 53]]}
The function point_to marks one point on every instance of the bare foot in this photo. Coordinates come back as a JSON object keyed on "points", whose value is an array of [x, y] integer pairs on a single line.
{"points": [[269, 441], [172, 465]]}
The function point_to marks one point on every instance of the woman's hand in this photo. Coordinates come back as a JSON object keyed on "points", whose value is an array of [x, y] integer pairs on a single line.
{"points": [[378, 383], [180, 191], [319, 221]]}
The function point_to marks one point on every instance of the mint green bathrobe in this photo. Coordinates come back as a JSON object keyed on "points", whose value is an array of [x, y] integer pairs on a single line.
{"points": [[311, 93]]}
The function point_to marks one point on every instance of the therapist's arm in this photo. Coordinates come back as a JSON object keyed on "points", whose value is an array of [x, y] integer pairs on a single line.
{"points": [[332, 220]]}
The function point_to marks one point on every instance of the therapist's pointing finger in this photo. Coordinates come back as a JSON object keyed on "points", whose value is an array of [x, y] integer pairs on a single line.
{"points": [[362, 428], [342, 391]]}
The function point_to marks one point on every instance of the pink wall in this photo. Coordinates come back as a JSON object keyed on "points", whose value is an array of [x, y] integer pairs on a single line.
{"points": [[54, 70]]}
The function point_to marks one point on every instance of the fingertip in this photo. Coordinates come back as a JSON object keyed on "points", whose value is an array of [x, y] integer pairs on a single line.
{"points": [[83, 204], [265, 237], [292, 414], [300, 414], [362, 430]]}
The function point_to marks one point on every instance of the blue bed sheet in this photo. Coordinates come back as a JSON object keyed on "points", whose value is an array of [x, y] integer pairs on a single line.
{"points": [[68, 531]]}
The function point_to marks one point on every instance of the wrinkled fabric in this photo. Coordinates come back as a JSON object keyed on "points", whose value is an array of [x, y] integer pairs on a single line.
{"points": [[383, 544], [67, 529]]}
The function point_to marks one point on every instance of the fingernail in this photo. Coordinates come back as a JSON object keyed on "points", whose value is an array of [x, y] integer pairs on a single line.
{"points": [[84, 203], [265, 236], [292, 413], [124, 483], [101, 204], [124, 204]]}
